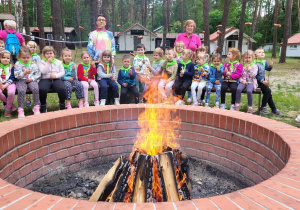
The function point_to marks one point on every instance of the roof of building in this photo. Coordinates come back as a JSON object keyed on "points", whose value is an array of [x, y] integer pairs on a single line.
{"points": [[294, 39], [49, 29], [137, 24], [4, 16], [214, 36]]}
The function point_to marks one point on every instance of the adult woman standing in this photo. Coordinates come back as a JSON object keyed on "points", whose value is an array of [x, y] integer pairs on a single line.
{"points": [[191, 41]]}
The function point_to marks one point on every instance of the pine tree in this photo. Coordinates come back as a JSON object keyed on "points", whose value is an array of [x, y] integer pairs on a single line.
{"points": [[275, 19], [26, 21], [57, 26], [224, 25], [206, 24], [242, 23], [40, 23], [287, 25]]}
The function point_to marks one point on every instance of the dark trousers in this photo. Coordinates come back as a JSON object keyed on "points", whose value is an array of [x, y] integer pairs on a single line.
{"points": [[58, 86], [267, 96], [181, 86], [133, 89], [224, 87], [103, 88]]}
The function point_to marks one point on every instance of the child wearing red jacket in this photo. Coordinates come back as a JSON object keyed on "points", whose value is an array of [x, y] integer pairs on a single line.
{"points": [[86, 75]]}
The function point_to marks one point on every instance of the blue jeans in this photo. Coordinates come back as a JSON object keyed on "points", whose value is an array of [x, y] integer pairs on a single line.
{"points": [[209, 86], [103, 87]]}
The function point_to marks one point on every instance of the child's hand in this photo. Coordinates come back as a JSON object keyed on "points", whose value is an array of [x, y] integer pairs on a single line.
{"points": [[181, 75], [93, 64], [246, 83], [89, 81], [228, 74], [52, 76], [29, 80], [182, 72], [125, 84], [266, 83], [71, 79], [248, 65], [270, 63], [28, 71], [130, 72], [50, 60], [217, 82], [3, 87], [73, 67], [218, 68]]}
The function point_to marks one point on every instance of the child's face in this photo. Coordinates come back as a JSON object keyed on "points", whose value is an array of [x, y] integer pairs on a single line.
{"points": [[140, 51], [1, 46], [200, 61], [260, 54], [49, 54], [106, 58], [67, 57], [126, 62], [5, 59], [86, 58], [230, 56], [216, 62], [179, 48], [156, 57], [169, 54], [25, 57], [32, 48], [185, 56], [248, 58]]}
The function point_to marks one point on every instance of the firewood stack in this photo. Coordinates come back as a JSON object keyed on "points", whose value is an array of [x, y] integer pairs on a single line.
{"points": [[145, 178]]}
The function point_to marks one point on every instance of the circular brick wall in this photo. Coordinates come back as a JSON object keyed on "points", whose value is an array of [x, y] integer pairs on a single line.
{"points": [[254, 149]]}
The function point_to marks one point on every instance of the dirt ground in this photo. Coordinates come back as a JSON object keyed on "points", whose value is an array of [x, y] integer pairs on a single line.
{"points": [[206, 181]]}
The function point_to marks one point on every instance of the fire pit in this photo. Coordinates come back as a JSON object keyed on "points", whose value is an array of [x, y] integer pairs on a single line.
{"points": [[254, 149]]}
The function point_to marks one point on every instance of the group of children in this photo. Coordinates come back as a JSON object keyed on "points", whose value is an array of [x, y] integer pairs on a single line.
{"points": [[166, 79]]}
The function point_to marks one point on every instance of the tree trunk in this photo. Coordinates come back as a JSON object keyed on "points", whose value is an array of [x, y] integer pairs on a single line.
{"points": [[104, 11], [153, 14], [298, 6], [143, 12], [165, 25], [168, 14], [113, 17], [224, 25], [40, 23], [9, 7], [93, 13], [18, 15], [131, 13], [259, 11], [288, 13], [121, 12], [78, 24], [275, 19], [181, 15], [26, 20], [242, 23], [254, 21], [57, 25], [206, 24]]}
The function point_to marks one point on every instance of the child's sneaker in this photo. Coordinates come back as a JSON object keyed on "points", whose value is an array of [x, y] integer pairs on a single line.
{"points": [[180, 102], [7, 113], [28, 103], [232, 107], [96, 103], [36, 110], [86, 104], [223, 106], [102, 103], [217, 105], [195, 103], [20, 112], [237, 107], [43, 109], [264, 110], [278, 114], [69, 105], [298, 119], [80, 104], [117, 102], [250, 110], [189, 100], [203, 102], [13, 108], [206, 105]]}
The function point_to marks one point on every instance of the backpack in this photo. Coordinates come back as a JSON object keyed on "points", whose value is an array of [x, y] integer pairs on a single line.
{"points": [[12, 43]]}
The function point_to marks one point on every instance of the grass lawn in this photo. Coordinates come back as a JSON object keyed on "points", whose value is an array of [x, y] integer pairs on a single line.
{"points": [[284, 80]]}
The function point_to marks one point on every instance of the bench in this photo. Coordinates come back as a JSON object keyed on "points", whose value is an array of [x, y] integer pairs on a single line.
{"points": [[257, 92]]}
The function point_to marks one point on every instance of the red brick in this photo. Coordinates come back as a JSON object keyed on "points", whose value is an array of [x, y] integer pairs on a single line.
{"points": [[60, 136], [79, 140], [79, 120], [29, 157], [44, 128], [254, 131], [113, 115], [231, 155], [72, 121], [80, 157], [49, 159], [242, 201], [208, 147], [42, 152], [161, 206], [253, 166], [13, 196], [47, 140], [61, 154], [11, 156], [223, 203], [47, 202], [35, 144], [220, 151], [209, 119], [55, 165], [86, 118], [51, 125], [203, 118], [23, 134], [31, 177], [25, 170], [68, 161], [37, 164], [74, 150], [55, 147], [14, 177], [73, 133], [216, 121], [254, 146], [86, 130]]}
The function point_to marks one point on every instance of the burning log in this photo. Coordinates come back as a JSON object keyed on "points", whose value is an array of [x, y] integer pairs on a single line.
{"points": [[146, 178], [107, 184], [168, 174]]}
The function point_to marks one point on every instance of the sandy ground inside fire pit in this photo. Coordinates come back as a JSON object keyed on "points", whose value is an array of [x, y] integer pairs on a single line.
{"points": [[206, 182]]}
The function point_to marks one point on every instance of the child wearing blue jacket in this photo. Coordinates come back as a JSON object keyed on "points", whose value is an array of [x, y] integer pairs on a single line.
{"points": [[185, 74], [215, 79], [126, 78]]}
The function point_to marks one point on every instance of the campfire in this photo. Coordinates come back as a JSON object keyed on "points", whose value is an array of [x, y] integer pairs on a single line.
{"points": [[156, 169]]}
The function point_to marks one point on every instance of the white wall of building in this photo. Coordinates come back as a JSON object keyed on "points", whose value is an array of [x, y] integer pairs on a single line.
{"points": [[126, 41], [293, 50]]}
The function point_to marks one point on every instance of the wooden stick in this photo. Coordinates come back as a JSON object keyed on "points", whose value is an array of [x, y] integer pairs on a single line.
{"points": [[105, 181]]}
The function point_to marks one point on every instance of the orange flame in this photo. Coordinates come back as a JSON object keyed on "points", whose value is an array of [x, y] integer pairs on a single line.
{"points": [[156, 191], [130, 181]]}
